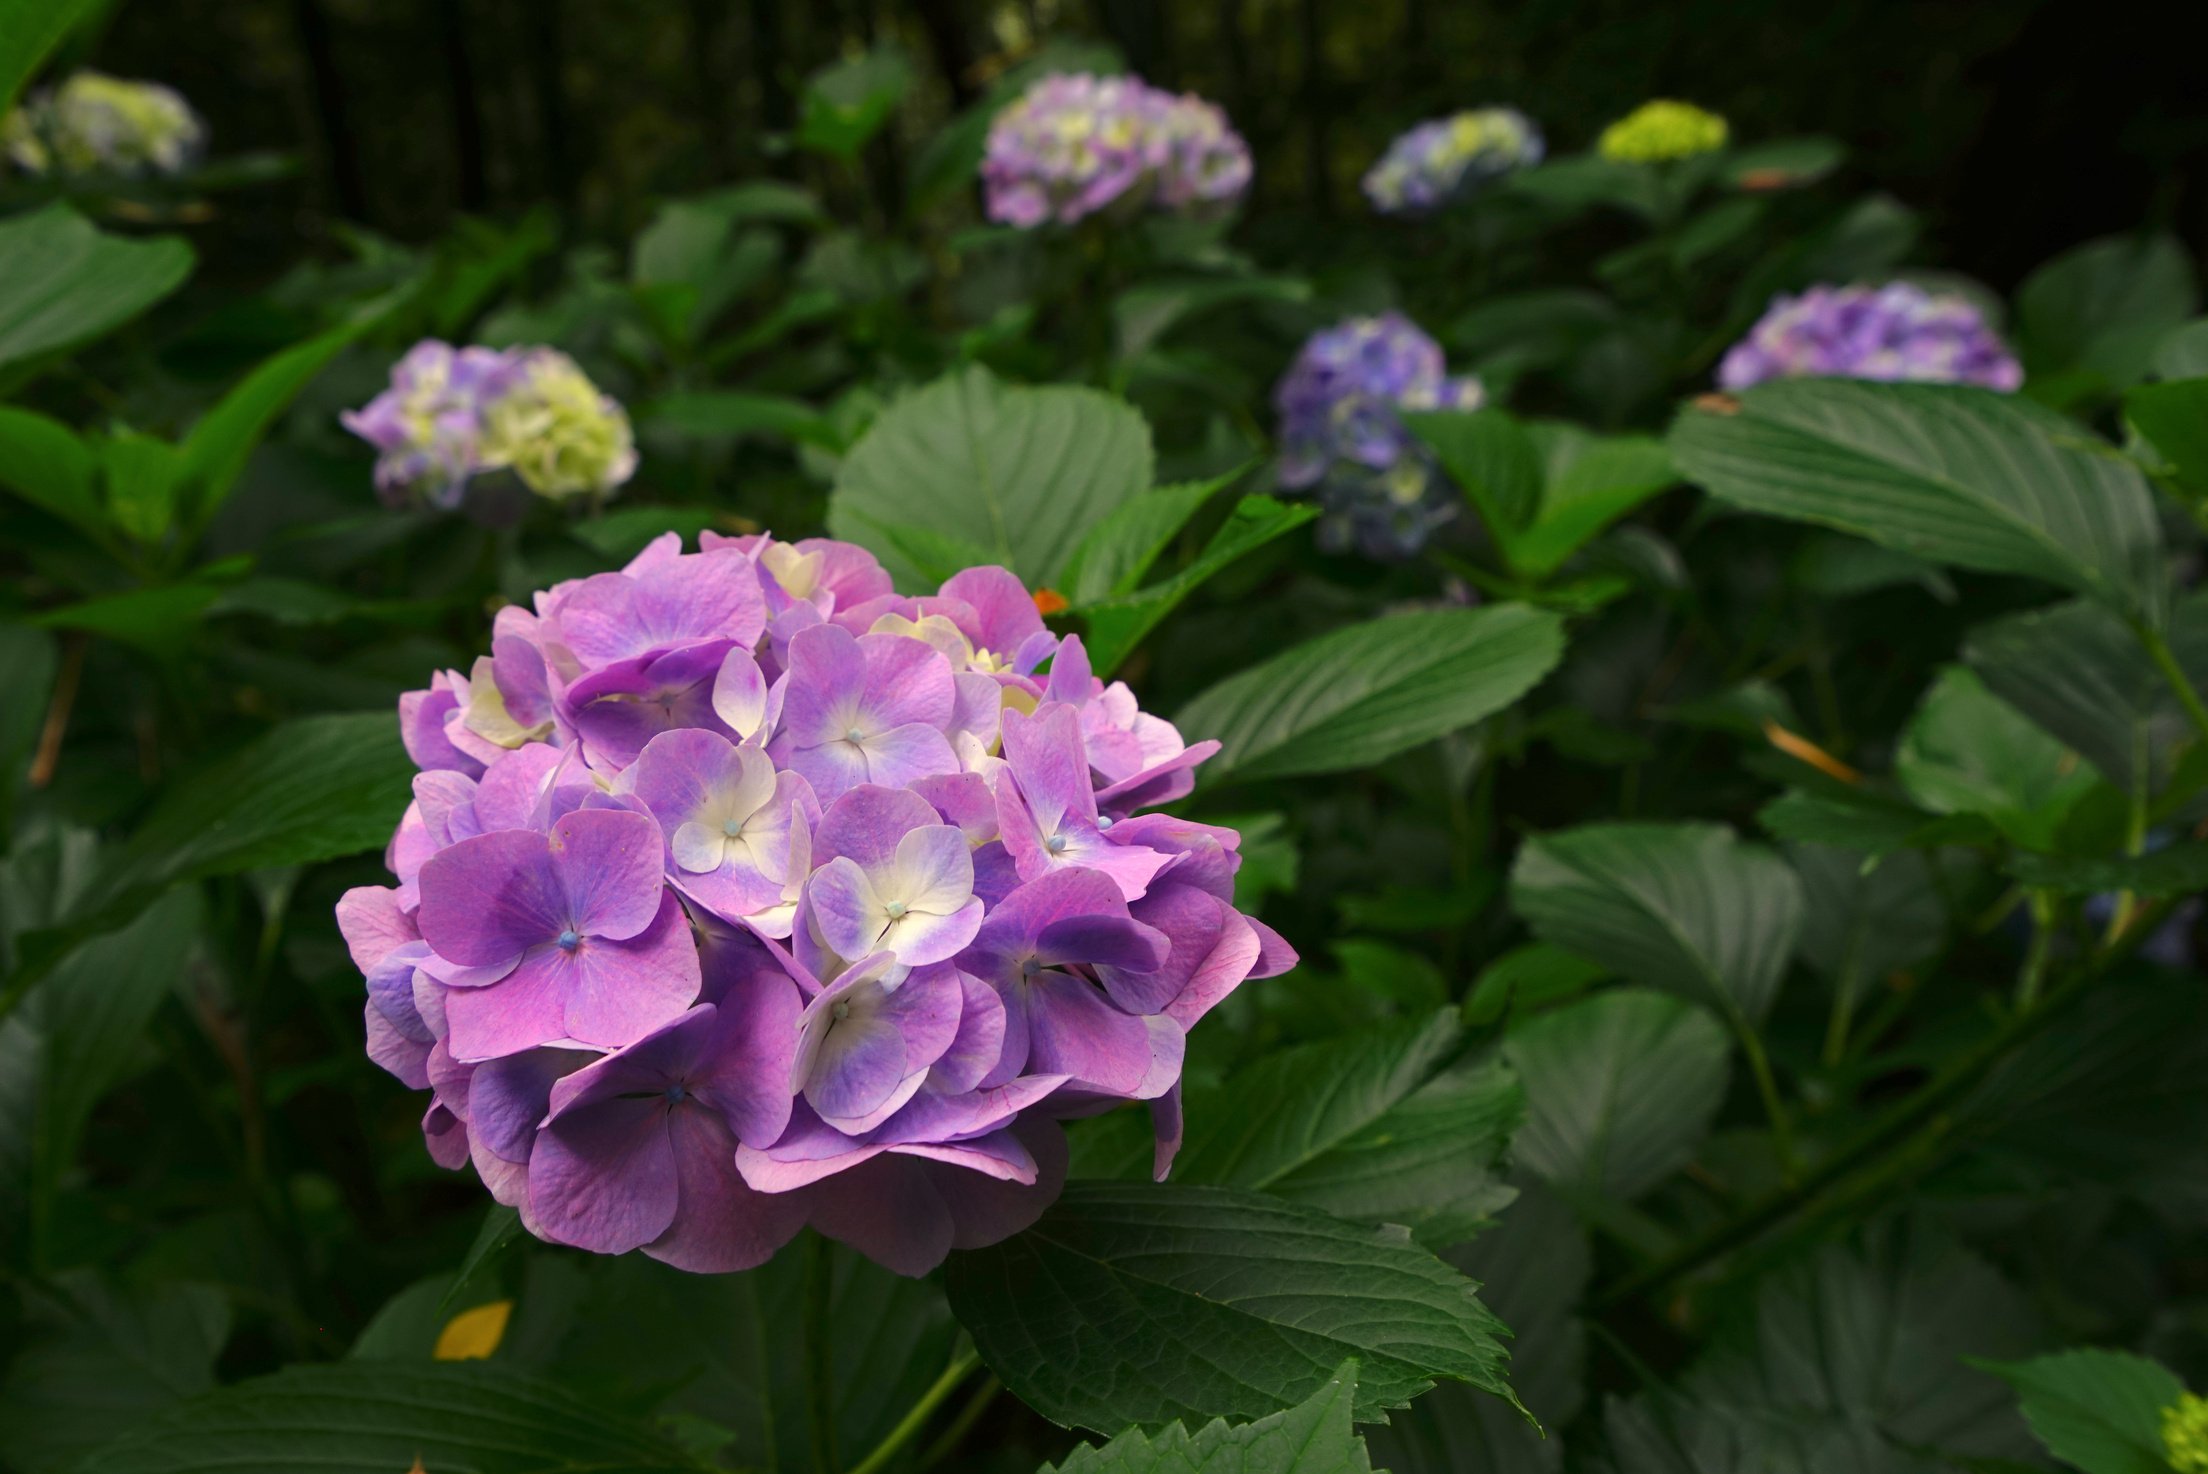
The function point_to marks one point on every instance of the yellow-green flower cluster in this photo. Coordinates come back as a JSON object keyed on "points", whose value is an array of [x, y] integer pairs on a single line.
{"points": [[1659, 131], [97, 124], [557, 431], [2185, 1433]]}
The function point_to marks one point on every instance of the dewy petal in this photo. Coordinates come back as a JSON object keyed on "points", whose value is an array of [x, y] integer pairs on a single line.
{"points": [[847, 914], [605, 994], [903, 755], [1004, 613], [868, 823], [740, 693], [1050, 765], [698, 849], [933, 871], [907, 682], [827, 681], [609, 863], [488, 899]]}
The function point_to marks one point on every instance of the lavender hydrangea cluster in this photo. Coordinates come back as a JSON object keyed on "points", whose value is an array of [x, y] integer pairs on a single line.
{"points": [[1896, 331], [1446, 159], [1342, 436], [739, 893], [1074, 144], [96, 124], [452, 414]]}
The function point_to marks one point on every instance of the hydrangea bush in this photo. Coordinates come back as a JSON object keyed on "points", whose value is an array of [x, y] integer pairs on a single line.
{"points": [[452, 414], [1894, 332], [1446, 159], [1661, 131], [1075, 145], [740, 893], [96, 124], [1342, 438]]}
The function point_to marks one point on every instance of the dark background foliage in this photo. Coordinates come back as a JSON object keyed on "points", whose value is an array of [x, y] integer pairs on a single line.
{"points": [[2017, 128]]}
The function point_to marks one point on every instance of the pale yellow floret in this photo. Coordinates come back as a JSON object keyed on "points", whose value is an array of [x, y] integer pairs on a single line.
{"points": [[558, 433], [2185, 1433], [1662, 130]]}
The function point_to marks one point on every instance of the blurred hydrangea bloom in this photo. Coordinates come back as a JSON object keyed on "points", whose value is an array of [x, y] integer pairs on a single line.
{"points": [[1074, 144], [1342, 437], [97, 124], [455, 413], [739, 893], [2185, 1433], [1897, 331], [1662, 130], [1445, 159]]}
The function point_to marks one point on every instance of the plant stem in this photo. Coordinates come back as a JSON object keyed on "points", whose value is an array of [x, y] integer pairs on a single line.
{"points": [[1767, 1086], [820, 1414], [2035, 957], [948, 1440], [2158, 650], [1919, 1113], [961, 1367]]}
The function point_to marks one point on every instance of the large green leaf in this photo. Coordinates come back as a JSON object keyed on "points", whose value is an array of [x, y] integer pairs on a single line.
{"points": [[1620, 1088], [2173, 420], [374, 1417], [1969, 752], [63, 283], [1119, 550], [1957, 475], [2178, 870], [29, 30], [1144, 1304], [1358, 695], [1117, 625], [847, 102], [2081, 675], [1374, 1127], [1022, 473], [1683, 907], [1863, 922], [2100, 309], [45, 463], [2099, 1410], [1313, 1437], [305, 791]]}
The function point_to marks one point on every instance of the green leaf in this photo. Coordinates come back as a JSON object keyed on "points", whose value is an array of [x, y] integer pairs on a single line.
{"points": [[30, 661], [1969, 752], [1117, 625], [374, 1417], [1527, 978], [1863, 922], [623, 532], [308, 790], [1620, 1088], [2098, 1410], [1493, 459], [699, 252], [1872, 823], [1313, 1437], [1144, 1304], [1687, 908], [1359, 695], [1590, 481], [2079, 673], [29, 31], [1958, 475], [847, 102], [1119, 550], [1783, 163], [2173, 419], [2183, 353], [1024, 473], [1375, 1127], [1145, 313], [64, 283], [729, 414], [99, 1361], [501, 1227], [2177, 870], [45, 463], [2102, 308], [157, 620]]}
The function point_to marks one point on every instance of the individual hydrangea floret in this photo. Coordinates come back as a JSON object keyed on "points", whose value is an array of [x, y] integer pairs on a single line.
{"points": [[1898, 331], [1660, 131], [1073, 145], [1446, 159], [1342, 436], [452, 414], [2185, 1433], [739, 893], [97, 124]]}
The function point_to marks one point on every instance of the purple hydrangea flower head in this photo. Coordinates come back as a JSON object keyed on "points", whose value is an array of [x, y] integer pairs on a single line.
{"points": [[452, 414], [740, 893], [1342, 436], [1446, 159], [1073, 145], [1895, 332]]}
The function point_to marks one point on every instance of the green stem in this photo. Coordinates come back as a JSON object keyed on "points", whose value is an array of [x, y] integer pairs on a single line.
{"points": [[961, 1367], [1767, 1086], [1842, 1016], [2035, 957], [948, 1440], [820, 1405], [1919, 1114], [2165, 661]]}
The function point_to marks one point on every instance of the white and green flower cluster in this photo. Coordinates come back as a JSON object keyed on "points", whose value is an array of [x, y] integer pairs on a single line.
{"points": [[97, 124]]}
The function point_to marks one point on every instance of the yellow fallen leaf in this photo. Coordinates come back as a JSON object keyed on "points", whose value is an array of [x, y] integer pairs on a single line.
{"points": [[474, 1334]]}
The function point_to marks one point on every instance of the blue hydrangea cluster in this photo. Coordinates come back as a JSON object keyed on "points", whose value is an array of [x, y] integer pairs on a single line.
{"points": [[1446, 159], [1342, 437], [1896, 332]]}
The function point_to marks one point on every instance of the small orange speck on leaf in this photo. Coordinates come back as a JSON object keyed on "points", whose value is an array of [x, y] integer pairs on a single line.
{"points": [[1757, 181], [1050, 601], [418, 1467], [1717, 404], [1800, 748]]}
